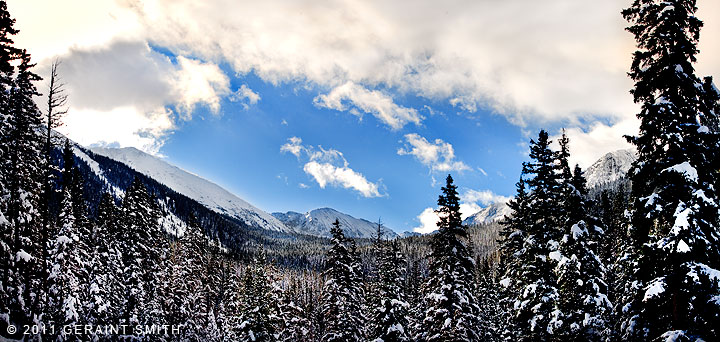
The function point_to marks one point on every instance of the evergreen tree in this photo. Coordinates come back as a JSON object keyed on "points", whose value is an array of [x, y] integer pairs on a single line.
{"points": [[390, 321], [22, 174], [582, 308], [339, 302], [140, 227], [674, 213], [105, 266], [67, 272], [452, 309], [531, 234], [257, 305]]}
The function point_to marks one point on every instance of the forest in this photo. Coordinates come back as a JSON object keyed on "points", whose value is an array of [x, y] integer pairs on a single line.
{"points": [[638, 260]]}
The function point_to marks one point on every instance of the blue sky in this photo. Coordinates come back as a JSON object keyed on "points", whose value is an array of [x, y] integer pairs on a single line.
{"points": [[359, 105], [241, 150]]}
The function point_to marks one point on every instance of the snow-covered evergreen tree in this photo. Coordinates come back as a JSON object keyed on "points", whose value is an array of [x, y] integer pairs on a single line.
{"points": [[68, 261], [452, 309], [390, 321], [531, 234], [582, 308], [340, 302], [140, 225], [259, 306], [674, 213], [22, 171]]}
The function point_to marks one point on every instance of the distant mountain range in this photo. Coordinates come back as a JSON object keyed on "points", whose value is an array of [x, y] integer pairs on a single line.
{"points": [[319, 221]]}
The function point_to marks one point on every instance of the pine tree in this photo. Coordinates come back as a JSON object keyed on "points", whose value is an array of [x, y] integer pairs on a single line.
{"points": [[22, 167], [531, 234], [452, 309], [674, 212], [105, 267], [139, 218], [339, 303], [390, 321], [257, 305], [582, 308], [67, 272]]}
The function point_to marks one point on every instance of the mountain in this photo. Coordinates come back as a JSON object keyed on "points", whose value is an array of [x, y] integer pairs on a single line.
{"points": [[492, 213], [319, 221], [610, 168], [194, 187]]}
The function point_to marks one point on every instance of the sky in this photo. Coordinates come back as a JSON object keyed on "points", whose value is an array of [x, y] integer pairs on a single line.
{"points": [[362, 106]]}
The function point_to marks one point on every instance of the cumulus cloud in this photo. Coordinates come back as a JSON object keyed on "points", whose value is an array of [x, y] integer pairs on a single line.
{"points": [[513, 57], [325, 173], [197, 82], [329, 167], [126, 90], [355, 98], [484, 197], [428, 219], [246, 97], [438, 156]]}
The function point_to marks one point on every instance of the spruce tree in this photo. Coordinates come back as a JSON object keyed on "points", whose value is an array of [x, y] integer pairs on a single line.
{"points": [[390, 321], [531, 234], [674, 212], [67, 273], [582, 309], [339, 300], [452, 309], [257, 304], [139, 218]]}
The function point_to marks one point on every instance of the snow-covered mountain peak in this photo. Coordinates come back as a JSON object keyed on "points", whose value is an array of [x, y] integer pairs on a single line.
{"points": [[492, 213], [318, 222], [610, 167], [195, 187]]}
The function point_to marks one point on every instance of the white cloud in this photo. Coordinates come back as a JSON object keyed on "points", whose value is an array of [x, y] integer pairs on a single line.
{"points": [[126, 89], [326, 173], [484, 197], [369, 101], [438, 156], [130, 127], [515, 57], [329, 167], [428, 221], [200, 83], [294, 146], [247, 97]]}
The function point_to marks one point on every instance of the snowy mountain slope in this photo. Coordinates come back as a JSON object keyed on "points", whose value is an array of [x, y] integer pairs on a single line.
{"points": [[319, 221], [610, 168], [199, 189], [492, 213]]}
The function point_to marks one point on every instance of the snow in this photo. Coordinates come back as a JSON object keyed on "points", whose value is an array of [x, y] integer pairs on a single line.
{"points": [[23, 255], [684, 169], [577, 231], [505, 282], [555, 255], [654, 289], [610, 168], [95, 168], [195, 187], [703, 129], [683, 247]]}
